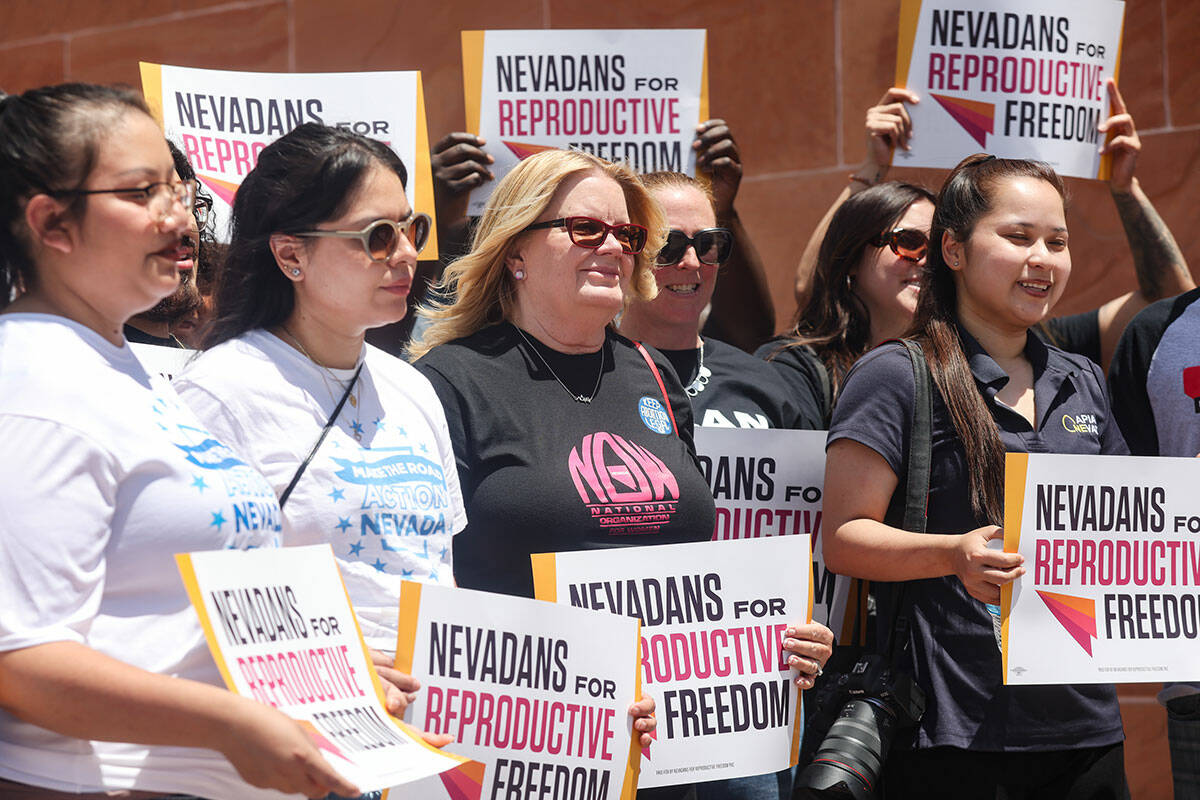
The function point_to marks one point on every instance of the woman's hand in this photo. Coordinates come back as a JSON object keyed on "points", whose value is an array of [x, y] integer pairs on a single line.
{"points": [[270, 750], [984, 570], [459, 163], [644, 722], [1124, 146], [888, 126], [717, 154], [809, 646], [399, 689]]}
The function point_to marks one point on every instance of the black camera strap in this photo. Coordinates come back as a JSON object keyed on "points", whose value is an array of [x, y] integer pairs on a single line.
{"points": [[324, 432], [911, 516]]}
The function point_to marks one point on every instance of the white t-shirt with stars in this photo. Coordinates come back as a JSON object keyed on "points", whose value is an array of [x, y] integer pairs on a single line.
{"points": [[104, 477], [383, 489]]}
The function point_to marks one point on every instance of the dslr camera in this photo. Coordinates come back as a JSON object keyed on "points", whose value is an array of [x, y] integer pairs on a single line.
{"points": [[868, 705]]}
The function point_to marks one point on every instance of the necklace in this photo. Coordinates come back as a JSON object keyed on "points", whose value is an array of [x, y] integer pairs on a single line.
{"points": [[357, 426], [578, 398], [702, 375]]}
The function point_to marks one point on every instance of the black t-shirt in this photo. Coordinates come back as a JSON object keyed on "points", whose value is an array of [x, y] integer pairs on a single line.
{"points": [[733, 389], [804, 373], [953, 649], [138, 336], [1077, 333], [541, 472]]}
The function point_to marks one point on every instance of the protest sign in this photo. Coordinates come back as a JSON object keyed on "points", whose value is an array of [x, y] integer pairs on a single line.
{"points": [[1014, 78], [280, 627], [537, 692], [713, 616], [623, 95], [1111, 591], [222, 120], [769, 483]]}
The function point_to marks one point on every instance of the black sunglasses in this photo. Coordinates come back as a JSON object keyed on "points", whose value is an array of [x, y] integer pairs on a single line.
{"points": [[591, 233], [907, 243], [712, 246]]}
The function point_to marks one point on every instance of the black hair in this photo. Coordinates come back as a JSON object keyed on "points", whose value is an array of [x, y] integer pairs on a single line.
{"points": [[49, 141], [301, 180]]}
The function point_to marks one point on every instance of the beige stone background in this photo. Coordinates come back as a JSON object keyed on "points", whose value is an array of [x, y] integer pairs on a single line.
{"points": [[792, 77]]}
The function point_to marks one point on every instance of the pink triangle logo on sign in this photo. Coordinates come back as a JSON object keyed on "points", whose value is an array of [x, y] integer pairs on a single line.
{"points": [[976, 117], [222, 189], [1076, 614], [464, 782], [523, 151]]}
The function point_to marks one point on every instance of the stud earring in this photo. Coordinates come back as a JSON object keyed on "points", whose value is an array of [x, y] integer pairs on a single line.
{"points": [[956, 262], [296, 272], [519, 274]]}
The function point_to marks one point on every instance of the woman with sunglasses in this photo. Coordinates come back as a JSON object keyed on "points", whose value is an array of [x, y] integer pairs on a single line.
{"points": [[864, 291], [106, 684], [353, 440], [728, 388]]}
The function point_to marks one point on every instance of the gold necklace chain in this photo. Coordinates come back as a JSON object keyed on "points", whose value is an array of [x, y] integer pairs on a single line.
{"points": [[357, 427], [578, 398]]}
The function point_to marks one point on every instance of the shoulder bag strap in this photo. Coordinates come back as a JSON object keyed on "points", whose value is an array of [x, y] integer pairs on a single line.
{"points": [[661, 387], [283, 498]]}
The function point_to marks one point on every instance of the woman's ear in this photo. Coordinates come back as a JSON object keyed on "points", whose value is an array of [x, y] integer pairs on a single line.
{"points": [[50, 224], [952, 250], [291, 256], [515, 264]]}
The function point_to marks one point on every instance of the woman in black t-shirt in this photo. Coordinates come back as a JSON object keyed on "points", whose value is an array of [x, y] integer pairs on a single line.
{"points": [[999, 262]]}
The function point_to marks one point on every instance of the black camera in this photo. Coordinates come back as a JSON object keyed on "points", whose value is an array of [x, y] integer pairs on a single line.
{"points": [[868, 704]]}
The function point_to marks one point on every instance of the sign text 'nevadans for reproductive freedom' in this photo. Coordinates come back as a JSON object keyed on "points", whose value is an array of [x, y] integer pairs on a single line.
{"points": [[536, 693], [1111, 591], [1014, 78], [222, 120], [713, 618], [280, 627], [768, 482], [622, 95]]}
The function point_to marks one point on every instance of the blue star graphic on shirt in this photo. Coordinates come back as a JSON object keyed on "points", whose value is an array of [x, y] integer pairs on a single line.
{"points": [[343, 524], [442, 555], [406, 573], [401, 431], [162, 427], [337, 494], [356, 548], [379, 565], [379, 423], [198, 483], [424, 447], [357, 428], [218, 520], [433, 576]]}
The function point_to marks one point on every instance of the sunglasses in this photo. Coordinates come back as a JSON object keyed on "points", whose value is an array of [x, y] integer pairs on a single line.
{"points": [[591, 233], [712, 246], [905, 242], [381, 238]]}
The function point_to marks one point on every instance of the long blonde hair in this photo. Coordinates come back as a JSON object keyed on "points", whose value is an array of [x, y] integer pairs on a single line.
{"points": [[482, 290]]}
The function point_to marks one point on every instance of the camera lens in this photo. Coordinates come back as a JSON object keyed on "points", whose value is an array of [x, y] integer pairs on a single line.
{"points": [[849, 761]]}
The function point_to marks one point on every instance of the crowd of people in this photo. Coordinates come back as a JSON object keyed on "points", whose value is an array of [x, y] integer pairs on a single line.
{"points": [[581, 311]]}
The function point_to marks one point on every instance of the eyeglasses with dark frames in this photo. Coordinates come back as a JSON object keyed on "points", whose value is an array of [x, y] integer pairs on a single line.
{"points": [[380, 239], [712, 245], [590, 232], [908, 243]]}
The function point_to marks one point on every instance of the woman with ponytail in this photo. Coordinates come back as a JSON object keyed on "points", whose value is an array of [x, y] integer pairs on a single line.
{"points": [[997, 263]]}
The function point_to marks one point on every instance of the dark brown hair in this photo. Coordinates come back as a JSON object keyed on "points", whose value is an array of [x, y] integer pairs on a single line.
{"points": [[966, 196], [835, 323]]}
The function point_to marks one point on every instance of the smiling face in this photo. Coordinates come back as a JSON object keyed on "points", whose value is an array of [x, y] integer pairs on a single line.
{"points": [[887, 283], [342, 287], [565, 286], [1014, 266], [685, 288]]}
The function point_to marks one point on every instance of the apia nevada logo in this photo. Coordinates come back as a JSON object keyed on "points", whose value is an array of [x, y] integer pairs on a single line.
{"points": [[1076, 614]]}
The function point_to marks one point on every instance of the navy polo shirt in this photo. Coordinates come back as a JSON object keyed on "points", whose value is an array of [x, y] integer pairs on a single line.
{"points": [[953, 650]]}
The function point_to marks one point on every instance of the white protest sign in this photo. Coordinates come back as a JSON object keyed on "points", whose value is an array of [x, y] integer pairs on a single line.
{"points": [[281, 630], [713, 620], [538, 692], [222, 120], [1111, 591], [622, 95], [769, 483], [1014, 78]]}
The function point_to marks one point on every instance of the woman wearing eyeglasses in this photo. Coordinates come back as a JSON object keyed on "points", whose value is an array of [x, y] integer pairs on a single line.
{"points": [[106, 684], [727, 387], [864, 290], [353, 440]]}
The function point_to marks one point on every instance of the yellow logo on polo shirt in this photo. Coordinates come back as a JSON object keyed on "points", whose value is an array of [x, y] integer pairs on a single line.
{"points": [[1081, 423]]}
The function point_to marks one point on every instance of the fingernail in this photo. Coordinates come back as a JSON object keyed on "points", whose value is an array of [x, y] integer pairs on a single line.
{"points": [[791, 631]]}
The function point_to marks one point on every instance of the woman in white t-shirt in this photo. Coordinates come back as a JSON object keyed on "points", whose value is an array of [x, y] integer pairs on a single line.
{"points": [[324, 247], [106, 683]]}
